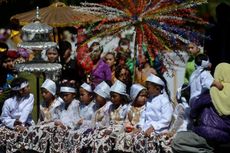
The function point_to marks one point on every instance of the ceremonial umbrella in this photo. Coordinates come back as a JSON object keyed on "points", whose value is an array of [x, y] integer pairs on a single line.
{"points": [[57, 15]]}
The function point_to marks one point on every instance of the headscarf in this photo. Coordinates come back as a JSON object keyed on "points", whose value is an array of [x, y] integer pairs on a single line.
{"points": [[220, 98]]}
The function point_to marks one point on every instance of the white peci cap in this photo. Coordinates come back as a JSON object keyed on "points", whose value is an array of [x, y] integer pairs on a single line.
{"points": [[155, 79], [50, 86], [119, 87], [135, 90], [68, 89], [103, 90], [87, 87]]}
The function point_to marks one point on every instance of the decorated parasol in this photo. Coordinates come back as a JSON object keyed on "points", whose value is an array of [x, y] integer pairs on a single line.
{"points": [[159, 25], [36, 37], [57, 15]]}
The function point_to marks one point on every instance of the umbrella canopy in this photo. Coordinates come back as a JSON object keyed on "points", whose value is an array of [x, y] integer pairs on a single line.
{"points": [[57, 15]]}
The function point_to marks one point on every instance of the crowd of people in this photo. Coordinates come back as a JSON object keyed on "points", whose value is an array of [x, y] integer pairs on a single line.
{"points": [[104, 102]]}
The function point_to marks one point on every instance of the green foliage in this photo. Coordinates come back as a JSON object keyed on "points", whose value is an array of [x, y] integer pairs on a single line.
{"points": [[4, 95]]}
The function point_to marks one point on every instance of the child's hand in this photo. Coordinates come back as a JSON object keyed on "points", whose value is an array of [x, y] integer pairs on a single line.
{"points": [[20, 128], [218, 85], [168, 134], [80, 122], [17, 122], [60, 124], [149, 131]]}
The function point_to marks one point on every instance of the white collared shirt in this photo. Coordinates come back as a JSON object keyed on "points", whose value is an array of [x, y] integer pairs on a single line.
{"points": [[158, 114], [104, 113], [123, 109], [200, 81], [87, 111], [52, 110], [70, 116], [14, 109]]}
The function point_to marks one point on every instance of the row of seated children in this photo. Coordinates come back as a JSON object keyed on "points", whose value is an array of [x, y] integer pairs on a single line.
{"points": [[146, 109]]}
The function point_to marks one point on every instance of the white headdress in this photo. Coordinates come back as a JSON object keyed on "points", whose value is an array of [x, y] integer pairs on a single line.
{"points": [[135, 90], [119, 87], [21, 86], [155, 79], [103, 89], [68, 89], [87, 87], [50, 86]]}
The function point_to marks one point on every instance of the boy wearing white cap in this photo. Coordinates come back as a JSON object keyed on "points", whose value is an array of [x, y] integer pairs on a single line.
{"points": [[70, 109], [87, 105], [158, 113], [102, 97], [120, 99], [16, 111], [48, 109]]}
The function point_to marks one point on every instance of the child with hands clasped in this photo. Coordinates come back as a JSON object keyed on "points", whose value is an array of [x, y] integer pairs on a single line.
{"points": [[87, 106], [102, 98], [69, 111], [48, 109], [201, 79], [16, 111], [138, 95], [119, 98], [158, 112]]}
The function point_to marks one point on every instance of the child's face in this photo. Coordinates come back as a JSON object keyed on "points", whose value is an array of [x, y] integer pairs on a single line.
{"points": [[95, 55], [153, 89], [110, 60], [85, 96], [68, 97], [52, 56], [46, 95], [193, 49], [100, 100], [124, 75], [24, 91], [8, 64], [115, 98], [143, 59], [142, 98]]}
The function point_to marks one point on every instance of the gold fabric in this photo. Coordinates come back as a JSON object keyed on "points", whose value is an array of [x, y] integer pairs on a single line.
{"points": [[115, 116], [134, 114]]}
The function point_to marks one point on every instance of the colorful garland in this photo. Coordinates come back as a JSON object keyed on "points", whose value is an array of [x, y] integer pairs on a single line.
{"points": [[160, 24]]}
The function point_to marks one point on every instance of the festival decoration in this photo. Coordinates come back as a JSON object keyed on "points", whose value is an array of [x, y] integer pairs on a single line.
{"points": [[57, 15], [160, 25], [37, 37]]}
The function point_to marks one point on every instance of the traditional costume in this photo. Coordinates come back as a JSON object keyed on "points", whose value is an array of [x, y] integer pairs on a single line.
{"points": [[200, 80], [50, 113], [18, 108], [159, 110]]}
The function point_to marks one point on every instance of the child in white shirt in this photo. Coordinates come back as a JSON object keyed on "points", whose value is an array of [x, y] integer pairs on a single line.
{"points": [[158, 113], [201, 79], [16, 111]]}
